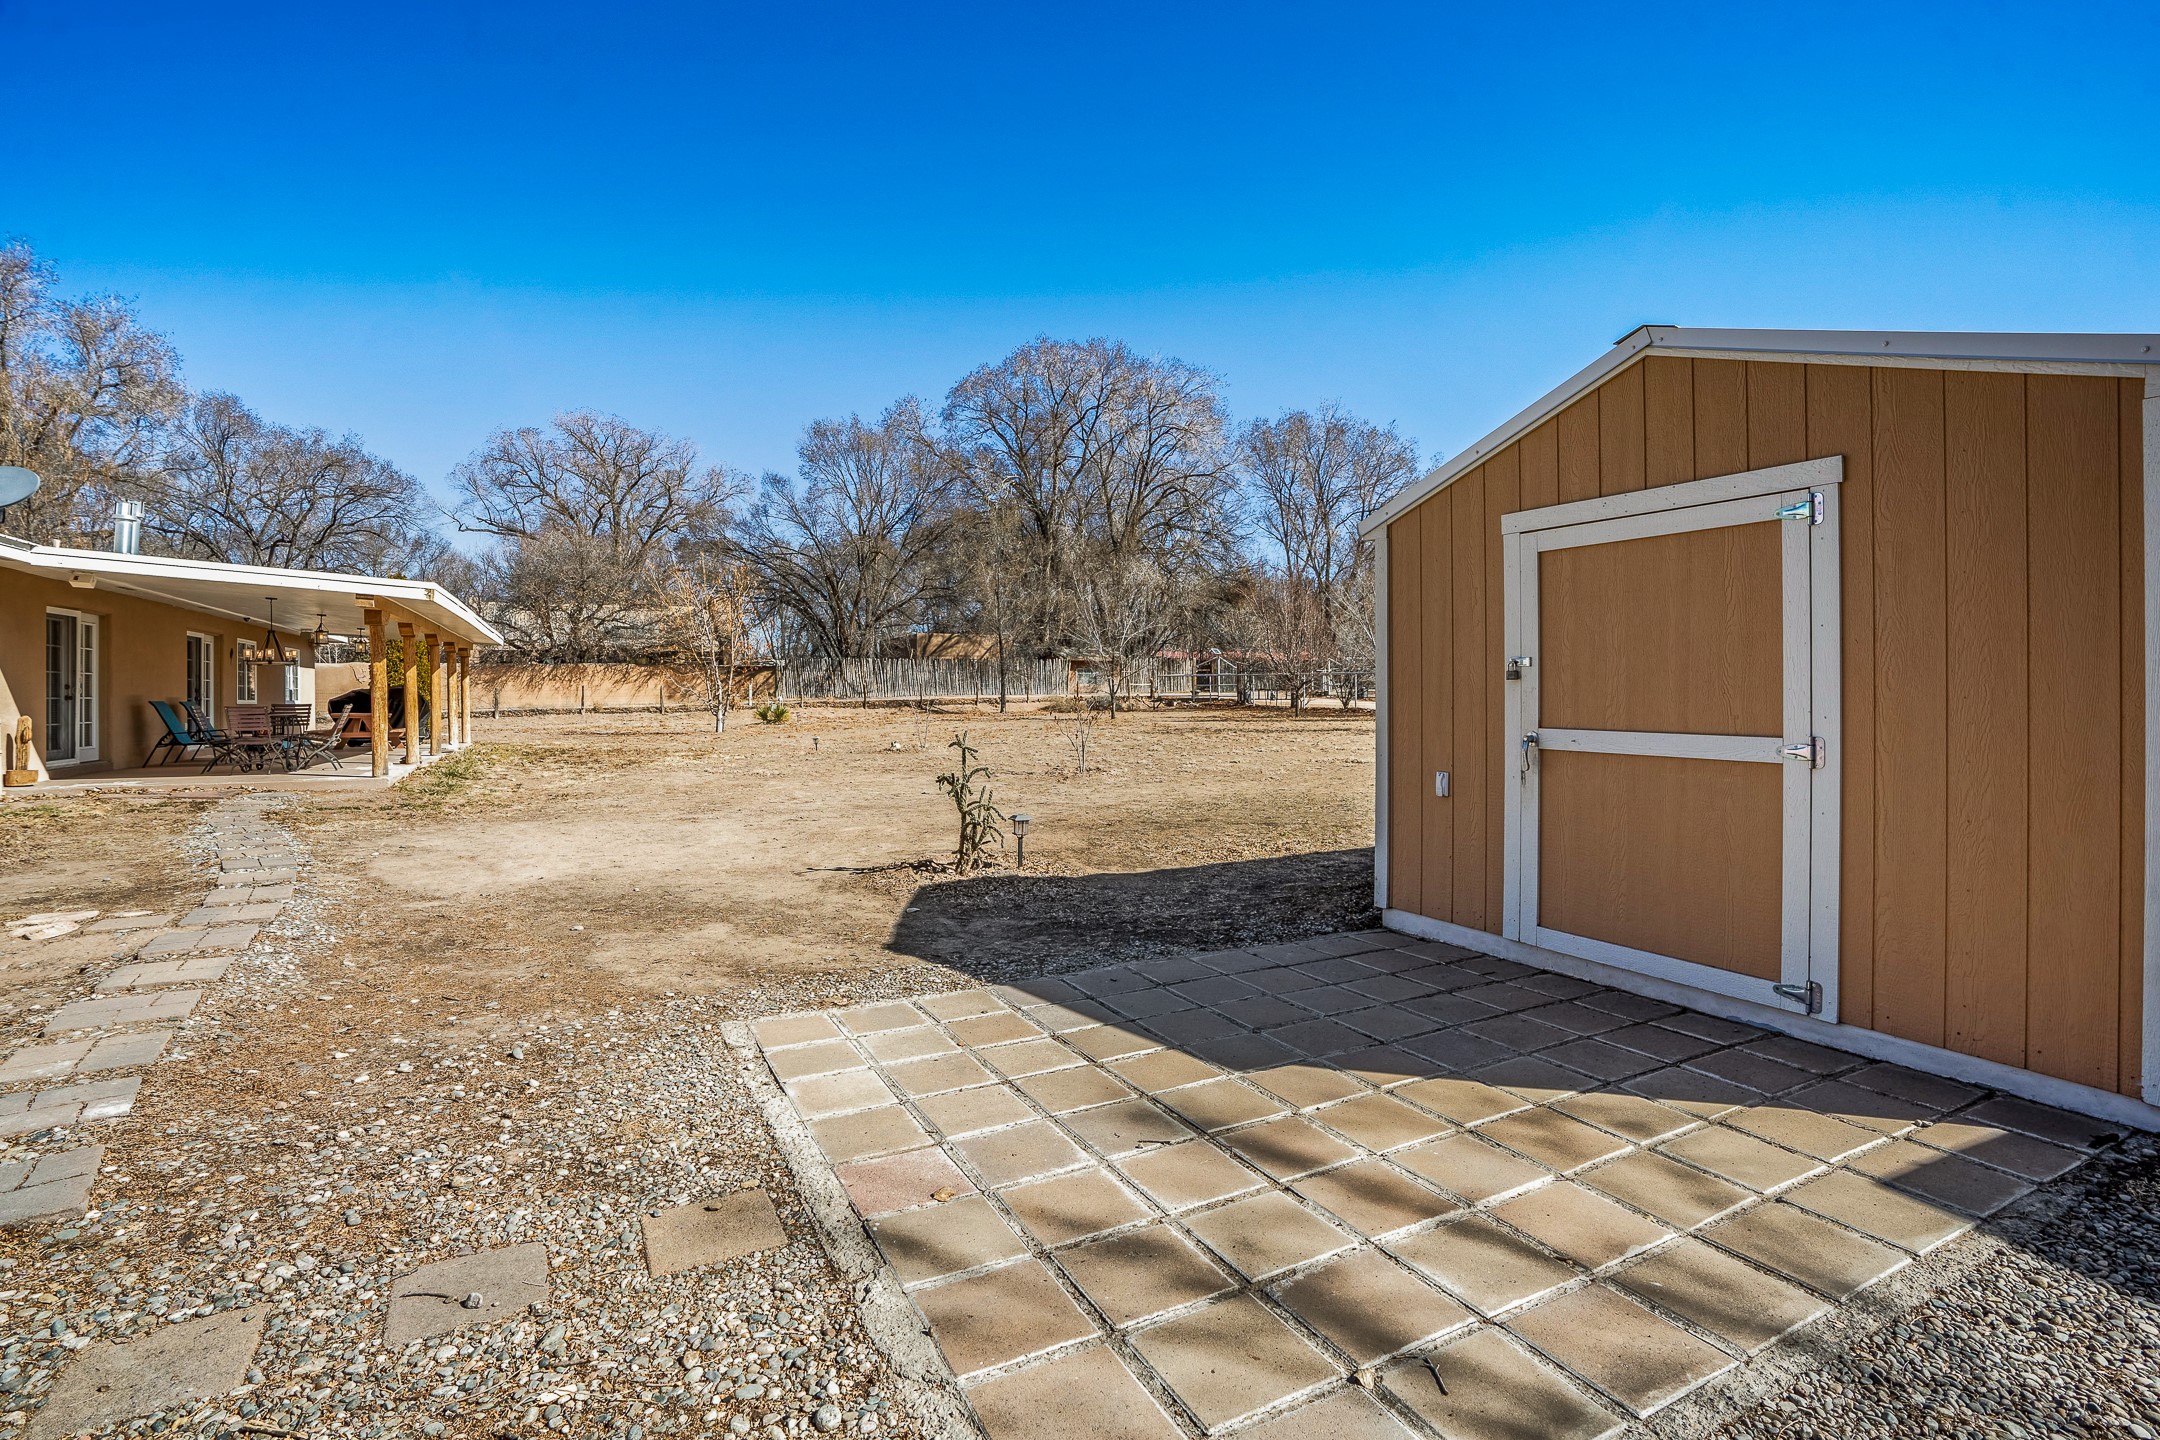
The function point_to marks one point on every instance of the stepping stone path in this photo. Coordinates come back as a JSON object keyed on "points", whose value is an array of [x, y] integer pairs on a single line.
{"points": [[472, 1289], [112, 1382], [166, 964]]}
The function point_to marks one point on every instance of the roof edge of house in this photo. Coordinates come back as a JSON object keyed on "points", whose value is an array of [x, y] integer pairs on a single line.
{"points": [[2100, 352]]}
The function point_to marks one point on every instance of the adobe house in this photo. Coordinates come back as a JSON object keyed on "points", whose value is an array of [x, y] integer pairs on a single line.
{"points": [[88, 638], [1801, 676]]}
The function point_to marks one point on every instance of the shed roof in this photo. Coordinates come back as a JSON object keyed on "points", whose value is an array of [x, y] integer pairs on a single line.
{"points": [[241, 592], [2094, 354]]}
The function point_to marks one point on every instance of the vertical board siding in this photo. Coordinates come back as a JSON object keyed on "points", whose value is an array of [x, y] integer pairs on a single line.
{"points": [[1473, 597], [1911, 704], [1406, 686], [1438, 840], [1985, 946], [2076, 921], [1992, 861], [1578, 431]]}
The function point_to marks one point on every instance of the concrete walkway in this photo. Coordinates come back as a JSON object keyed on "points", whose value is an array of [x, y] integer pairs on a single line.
{"points": [[1362, 1187]]}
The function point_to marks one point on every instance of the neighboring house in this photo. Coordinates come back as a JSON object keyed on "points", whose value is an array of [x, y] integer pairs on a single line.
{"points": [[1802, 677], [88, 638]]}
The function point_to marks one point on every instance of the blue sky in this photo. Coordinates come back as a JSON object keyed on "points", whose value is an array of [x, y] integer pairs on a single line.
{"points": [[424, 223]]}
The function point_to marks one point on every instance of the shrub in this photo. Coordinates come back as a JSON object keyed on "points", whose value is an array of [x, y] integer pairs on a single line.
{"points": [[981, 824], [772, 713]]}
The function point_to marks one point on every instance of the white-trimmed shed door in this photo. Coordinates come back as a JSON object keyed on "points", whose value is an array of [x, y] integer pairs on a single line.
{"points": [[1672, 705]]}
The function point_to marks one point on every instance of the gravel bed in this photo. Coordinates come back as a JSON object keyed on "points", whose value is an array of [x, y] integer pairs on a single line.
{"points": [[2056, 1336], [233, 1186]]}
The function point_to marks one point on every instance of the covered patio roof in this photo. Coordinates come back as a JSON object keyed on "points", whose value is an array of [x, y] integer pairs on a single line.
{"points": [[243, 592]]}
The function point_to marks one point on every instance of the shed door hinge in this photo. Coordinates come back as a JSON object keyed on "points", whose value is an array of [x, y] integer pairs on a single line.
{"points": [[1808, 995], [1810, 509], [1811, 750]]}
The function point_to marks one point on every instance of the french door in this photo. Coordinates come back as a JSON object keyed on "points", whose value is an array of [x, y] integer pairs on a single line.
{"points": [[71, 687], [1672, 706]]}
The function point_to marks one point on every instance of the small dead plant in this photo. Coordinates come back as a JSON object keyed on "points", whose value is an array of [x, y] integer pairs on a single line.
{"points": [[982, 826], [1079, 727]]}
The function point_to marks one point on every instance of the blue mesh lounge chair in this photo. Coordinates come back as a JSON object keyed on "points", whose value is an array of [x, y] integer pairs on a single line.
{"points": [[179, 737]]}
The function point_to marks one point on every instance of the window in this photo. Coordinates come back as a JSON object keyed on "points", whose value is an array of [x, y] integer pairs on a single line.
{"points": [[292, 684], [201, 667], [244, 662]]}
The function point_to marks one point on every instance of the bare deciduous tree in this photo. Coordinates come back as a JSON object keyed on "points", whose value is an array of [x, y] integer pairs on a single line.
{"points": [[236, 488], [585, 514], [85, 390], [847, 547], [710, 606]]}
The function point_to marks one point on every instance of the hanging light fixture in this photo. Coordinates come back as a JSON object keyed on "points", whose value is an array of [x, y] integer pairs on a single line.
{"points": [[273, 648], [321, 637]]}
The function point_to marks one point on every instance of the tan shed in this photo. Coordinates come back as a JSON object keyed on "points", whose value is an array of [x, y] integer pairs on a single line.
{"points": [[1800, 676]]}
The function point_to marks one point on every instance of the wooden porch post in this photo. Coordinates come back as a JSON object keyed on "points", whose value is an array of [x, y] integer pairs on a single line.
{"points": [[378, 695], [439, 706], [409, 639], [464, 694]]}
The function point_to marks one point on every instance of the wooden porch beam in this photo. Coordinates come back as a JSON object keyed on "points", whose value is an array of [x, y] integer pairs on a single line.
{"points": [[439, 689], [409, 642]]}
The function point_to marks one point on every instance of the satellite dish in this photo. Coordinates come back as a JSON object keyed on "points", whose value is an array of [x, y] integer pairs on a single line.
{"points": [[17, 483]]}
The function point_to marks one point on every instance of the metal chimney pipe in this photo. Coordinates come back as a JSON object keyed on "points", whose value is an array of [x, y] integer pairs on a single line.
{"points": [[127, 527]]}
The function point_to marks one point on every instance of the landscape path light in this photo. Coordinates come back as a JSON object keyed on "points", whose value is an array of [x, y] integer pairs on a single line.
{"points": [[1020, 825]]}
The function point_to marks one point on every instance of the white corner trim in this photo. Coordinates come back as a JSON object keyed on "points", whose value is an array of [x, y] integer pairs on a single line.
{"points": [[1381, 605], [2149, 1051], [2043, 1089]]}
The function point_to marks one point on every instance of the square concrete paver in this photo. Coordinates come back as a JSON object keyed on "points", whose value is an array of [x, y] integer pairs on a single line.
{"points": [[1072, 1206], [1179, 1177], [1678, 1194], [1343, 1415], [1875, 1209], [1265, 1234], [1232, 1359], [152, 974], [1144, 1272], [1494, 1390], [711, 1232], [902, 1182], [867, 1132], [1126, 1127], [1485, 1265], [1381, 1122], [1000, 1316], [1586, 1228], [1021, 1152], [1287, 1147], [1945, 1179], [1255, 1166], [1642, 1361], [1373, 1198], [432, 1300], [51, 1187], [106, 1010], [1372, 1307], [1819, 1255], [108, 1383], [1471, 1167], [939, 1240], [1041, 1401], [1734, 1301]]}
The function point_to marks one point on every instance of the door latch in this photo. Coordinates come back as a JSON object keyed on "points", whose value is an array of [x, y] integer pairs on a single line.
{"points": [[1529, 743], [1812, 750], [1808, 995], [1516, 664], [1810, 509]]}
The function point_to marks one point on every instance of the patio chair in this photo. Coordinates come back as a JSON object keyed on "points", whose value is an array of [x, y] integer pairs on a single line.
{"points": [[243, 751], [309, 746], [179, 738]]}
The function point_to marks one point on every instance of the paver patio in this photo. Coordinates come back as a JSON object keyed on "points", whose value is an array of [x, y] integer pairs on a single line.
{"points": [[1368, 1186]]}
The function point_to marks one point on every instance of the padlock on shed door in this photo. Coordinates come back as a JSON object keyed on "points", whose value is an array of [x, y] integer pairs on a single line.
{"points": [[1516, 664]]}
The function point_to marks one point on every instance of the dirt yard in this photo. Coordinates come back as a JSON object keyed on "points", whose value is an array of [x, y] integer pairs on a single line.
{"points": [[636, 854]]}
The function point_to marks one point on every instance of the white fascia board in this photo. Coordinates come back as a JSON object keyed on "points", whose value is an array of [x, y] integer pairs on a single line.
{"points": [[149, 569], [2099, 354]]}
